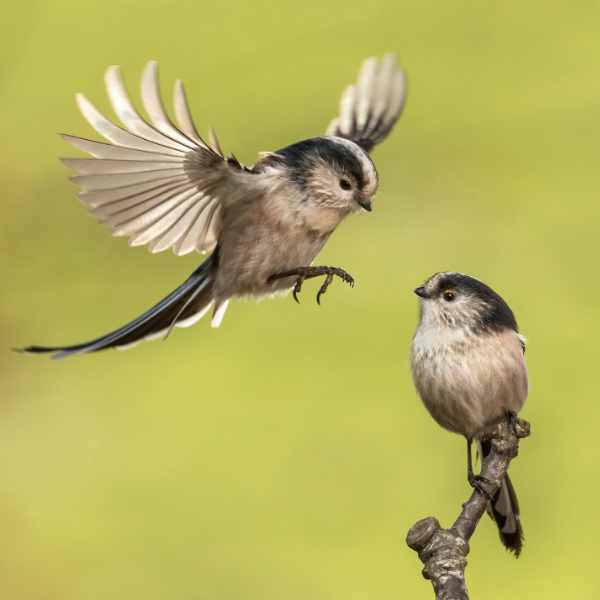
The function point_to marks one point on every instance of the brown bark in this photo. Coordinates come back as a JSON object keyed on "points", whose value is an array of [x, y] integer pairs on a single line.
{"points": [[444, 551]]}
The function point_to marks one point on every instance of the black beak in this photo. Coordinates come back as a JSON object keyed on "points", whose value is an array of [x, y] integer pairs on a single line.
{"points": [[366, 204], [420, 291]]}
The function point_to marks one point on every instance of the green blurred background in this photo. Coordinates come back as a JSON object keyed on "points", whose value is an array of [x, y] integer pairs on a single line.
{"points": [[286, 454]]}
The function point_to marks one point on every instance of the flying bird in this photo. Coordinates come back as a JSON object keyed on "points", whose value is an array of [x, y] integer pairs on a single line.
{"points": [[161, 184], [469, 368]]}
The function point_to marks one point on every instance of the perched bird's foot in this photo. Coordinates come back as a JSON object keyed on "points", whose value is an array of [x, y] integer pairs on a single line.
{"points": [[483, 485], [513, 421], [520, 427], [308, 273]]}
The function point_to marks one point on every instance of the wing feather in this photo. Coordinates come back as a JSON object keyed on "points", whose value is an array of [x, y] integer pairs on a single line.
{"points": [[154, 107], [184, 116], [214, 217], [113, 180], [97, 198], [365, 83], [156, 182], [119, 136], [118, 212], [347, 109], [94, 166], [213, 141], [102, 150], [162, 224], [178, 230], [370, 108], [187, 242], [124, 109], [123, 224]]}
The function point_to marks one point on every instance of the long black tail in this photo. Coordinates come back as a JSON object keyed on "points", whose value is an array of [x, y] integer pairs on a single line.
{"points": [[187, 301], [504, 509]]}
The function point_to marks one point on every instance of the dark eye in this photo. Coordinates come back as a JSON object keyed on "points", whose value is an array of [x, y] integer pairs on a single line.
{"points": [[449, 295], [345, 184]]}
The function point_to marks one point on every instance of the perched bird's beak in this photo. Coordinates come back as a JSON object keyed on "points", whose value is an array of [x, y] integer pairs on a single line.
{"points": [[420, 291], [365, 203]]}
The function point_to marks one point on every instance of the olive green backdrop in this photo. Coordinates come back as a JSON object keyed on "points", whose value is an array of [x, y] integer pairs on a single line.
{"points": [[286, 454]]}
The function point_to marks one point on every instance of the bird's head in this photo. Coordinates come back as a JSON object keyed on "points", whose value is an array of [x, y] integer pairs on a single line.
{"points": [[332, 173], [457, 300]]}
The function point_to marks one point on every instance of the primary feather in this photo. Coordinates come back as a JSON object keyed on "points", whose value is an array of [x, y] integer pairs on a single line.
{"points": [[156, 183], [370, 107]]}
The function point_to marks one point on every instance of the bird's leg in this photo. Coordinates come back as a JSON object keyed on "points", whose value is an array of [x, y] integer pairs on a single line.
{"points": [[477, 482], [303, 273], [470, 474]]}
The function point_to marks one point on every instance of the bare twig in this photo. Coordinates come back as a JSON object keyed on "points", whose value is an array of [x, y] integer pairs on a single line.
{"points": [[444, 551]]}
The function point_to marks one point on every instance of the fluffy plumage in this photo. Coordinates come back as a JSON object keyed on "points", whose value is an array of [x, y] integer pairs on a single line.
{"points": [[469, 369], [161, 184]]}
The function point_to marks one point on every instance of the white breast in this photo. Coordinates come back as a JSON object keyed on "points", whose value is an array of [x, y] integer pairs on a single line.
{"points": [[467, 381], [430, 339]]}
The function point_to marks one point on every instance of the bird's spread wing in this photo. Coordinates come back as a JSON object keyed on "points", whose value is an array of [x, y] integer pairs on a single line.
{"points": [[370, 107], [157, 183]]}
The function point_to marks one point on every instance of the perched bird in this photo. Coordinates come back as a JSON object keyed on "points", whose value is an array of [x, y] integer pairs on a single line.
{"points": [[468, 366], [163, 185]]}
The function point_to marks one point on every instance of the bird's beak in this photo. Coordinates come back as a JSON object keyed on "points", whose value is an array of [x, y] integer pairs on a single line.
{"points": [[420, 291], [365, 203]]}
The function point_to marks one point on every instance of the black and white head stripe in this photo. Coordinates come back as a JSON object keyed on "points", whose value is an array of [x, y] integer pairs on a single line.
{"points": [[370, 107], [343, 155], [496, 314], [371, 179]]}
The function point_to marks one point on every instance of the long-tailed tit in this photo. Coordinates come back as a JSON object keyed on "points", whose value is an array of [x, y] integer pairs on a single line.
{"points": [[162, 184], [468, 366]]}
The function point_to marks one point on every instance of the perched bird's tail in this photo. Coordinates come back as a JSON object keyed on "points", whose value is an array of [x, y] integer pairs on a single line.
{"points": [[181, 308], [504, 509]]}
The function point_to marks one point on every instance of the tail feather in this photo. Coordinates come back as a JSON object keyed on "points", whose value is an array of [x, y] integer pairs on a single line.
{"points": [[182, 307], [504, 510]]}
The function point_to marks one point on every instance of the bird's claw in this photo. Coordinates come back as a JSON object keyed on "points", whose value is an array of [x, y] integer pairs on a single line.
{"points": [[324, 287], [481, 484], [513, 421], [297, 288], [346, 277], [303, 273]]}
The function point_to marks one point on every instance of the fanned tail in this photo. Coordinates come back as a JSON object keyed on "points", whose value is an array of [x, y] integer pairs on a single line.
{"points": [[181, 308], [504, 510]]}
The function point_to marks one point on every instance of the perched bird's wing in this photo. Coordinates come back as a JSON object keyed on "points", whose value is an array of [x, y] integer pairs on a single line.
{"points": [[157, 183], [370, 107]]}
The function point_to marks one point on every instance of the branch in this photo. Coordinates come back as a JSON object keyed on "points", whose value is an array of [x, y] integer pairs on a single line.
{"points": [[444, 551]]}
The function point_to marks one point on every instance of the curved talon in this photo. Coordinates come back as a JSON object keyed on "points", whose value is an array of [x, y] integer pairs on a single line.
{"points": [[297, 288], [344, 276], [303, 273], [324, 287]]}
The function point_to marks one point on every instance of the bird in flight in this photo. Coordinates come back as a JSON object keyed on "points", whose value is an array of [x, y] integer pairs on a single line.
{"points": [[159, 182]]}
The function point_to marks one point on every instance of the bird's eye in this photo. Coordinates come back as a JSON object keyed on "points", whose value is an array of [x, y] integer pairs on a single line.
{"points": [[449, 295], [345, 184]]}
